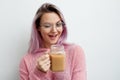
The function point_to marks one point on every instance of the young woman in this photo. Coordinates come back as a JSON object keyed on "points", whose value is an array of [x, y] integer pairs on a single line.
{"points": [[49, 28]]}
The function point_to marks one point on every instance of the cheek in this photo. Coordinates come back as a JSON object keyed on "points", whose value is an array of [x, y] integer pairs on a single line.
{"points": [[61, 30], [43, 33]]}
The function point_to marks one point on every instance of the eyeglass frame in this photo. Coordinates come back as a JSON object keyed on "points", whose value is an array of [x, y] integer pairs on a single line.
{"points": [[59, 24]]}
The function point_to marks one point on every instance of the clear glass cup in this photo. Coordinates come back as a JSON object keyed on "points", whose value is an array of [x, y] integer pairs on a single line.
{"points": [[57, 57]]}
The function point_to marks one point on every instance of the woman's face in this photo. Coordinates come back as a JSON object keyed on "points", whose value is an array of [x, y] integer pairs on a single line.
{"points": [[50, 28]]}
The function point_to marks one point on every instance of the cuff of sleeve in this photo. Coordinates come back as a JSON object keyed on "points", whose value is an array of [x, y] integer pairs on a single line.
{"points": [[42, 75]]}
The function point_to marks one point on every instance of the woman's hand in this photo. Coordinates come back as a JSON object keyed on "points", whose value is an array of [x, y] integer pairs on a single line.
{"points": [[43, 63]]}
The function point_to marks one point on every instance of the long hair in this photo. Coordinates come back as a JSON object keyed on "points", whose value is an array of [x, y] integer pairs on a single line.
{"points": [[36, 40]]}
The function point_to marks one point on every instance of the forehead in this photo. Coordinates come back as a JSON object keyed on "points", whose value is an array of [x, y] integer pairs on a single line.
{"points": [[50, 18]]}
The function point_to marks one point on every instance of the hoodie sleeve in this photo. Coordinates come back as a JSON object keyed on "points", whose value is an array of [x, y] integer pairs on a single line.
{"points": [[23, 71], [29, 71], [79, 67]]}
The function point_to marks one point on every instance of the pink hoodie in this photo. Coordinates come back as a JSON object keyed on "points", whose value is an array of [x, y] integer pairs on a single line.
{"points": [[75, 66]]}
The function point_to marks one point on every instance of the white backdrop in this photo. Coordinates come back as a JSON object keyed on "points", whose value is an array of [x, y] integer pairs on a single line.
{"points": [[93, 24]]}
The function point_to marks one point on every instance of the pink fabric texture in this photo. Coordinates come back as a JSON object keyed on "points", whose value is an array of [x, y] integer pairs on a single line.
{"points": [[75, 68]]}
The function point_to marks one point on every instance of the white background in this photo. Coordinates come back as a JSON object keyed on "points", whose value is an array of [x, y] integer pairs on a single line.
{"points": [[93, 24]]}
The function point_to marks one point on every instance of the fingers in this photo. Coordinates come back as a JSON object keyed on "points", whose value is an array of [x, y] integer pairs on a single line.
{"points": [[46, 66], [43, 57], [43, 63]]}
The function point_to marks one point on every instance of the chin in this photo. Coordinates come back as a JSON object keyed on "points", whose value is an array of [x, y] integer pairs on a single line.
{"points": [[53, 42]]}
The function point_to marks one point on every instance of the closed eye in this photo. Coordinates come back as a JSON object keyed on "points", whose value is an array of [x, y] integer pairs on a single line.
{"points": [[59, 24], [47, 26]]}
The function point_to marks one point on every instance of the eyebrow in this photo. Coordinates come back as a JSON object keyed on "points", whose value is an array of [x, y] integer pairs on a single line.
{"points": [[50, 23]]}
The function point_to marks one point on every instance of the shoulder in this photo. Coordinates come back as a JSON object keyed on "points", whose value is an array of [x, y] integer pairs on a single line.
{"points": [[26, 60], [26, 57], [72, 46], [74, 49]]}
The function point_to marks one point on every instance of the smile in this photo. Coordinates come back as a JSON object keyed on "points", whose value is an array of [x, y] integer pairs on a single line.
{"points": [[53, 37]]}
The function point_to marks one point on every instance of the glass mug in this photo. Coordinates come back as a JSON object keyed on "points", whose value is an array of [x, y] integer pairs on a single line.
{"points": [[57, 57]]}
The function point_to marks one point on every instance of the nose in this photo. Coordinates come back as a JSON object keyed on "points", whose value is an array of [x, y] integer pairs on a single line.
{"points": [[54, 29]]}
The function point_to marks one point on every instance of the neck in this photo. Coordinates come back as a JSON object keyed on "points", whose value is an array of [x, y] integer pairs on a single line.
{"points": [[46, 45]]}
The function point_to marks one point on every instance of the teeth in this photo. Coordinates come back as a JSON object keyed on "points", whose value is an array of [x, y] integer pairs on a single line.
{"points": [[53, 35]]}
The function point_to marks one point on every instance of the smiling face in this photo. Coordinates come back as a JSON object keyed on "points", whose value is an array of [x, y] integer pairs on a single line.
{"points": [[50, 28]]}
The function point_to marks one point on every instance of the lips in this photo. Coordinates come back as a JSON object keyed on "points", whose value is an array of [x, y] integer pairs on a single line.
{"points": [[53, 37]]}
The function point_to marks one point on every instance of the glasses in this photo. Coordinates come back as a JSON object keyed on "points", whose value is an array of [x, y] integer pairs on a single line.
{"points": [[49, 25]]}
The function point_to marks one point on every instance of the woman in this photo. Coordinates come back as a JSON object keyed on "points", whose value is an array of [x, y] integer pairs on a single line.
{"points": [[49, 28]]}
